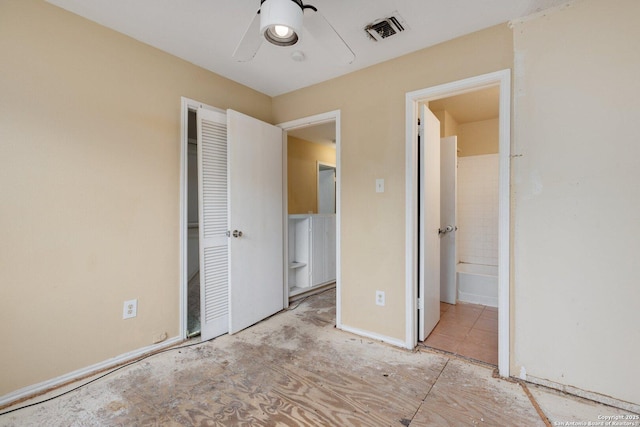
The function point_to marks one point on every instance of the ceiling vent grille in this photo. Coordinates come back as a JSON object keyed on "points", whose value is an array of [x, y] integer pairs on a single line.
{"points": [[385, 28]]}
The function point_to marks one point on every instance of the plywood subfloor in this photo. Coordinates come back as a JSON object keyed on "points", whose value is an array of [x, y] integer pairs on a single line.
{"points": [[292, 369]]}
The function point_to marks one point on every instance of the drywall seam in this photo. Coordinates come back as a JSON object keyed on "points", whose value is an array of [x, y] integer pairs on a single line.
{"points": [[539, 14]]}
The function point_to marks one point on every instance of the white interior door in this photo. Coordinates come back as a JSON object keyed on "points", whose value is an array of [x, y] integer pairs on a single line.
{"points": [[429, 217], [448, 197], [213, 216], [256, 220]]}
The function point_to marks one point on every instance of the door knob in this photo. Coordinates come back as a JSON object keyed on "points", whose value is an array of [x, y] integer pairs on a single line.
{"points": [[237, 233], [447, 229]]}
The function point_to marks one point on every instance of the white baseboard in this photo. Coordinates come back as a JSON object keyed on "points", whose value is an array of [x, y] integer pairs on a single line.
{"points": [[45, 386], [393, 341], [477, 299], [596, 397]]}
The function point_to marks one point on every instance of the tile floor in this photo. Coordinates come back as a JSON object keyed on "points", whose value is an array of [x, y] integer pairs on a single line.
{"points": [[468, 330]]}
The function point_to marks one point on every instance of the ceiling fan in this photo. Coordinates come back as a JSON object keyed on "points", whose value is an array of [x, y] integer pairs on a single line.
{"points": [[280, 22]]}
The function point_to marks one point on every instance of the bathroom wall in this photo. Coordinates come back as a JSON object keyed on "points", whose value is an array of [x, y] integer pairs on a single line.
{"points": [[302, 170], [476, 138], [477, 237], [448, 125]]}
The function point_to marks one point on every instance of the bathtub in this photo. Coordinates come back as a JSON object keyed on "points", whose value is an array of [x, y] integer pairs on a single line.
{"points": [[477, 283]]}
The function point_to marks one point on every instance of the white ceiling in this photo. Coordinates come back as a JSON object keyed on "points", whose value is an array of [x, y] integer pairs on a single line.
{"points": [[206, 32]]}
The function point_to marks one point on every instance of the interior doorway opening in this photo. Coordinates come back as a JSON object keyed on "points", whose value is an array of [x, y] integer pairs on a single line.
{"points": [[313, 206], [424, 226], [469, 175]]}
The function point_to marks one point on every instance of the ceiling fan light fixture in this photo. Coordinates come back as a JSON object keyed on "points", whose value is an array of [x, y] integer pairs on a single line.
{"points": [[281, 21], [282, 30], [281, 35]]}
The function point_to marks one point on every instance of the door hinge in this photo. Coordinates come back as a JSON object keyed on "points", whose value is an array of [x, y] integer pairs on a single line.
{"points": [[420, 304]]}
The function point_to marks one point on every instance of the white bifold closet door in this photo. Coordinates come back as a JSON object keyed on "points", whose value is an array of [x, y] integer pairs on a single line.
{"points": [[241, 221], [214, 223]]}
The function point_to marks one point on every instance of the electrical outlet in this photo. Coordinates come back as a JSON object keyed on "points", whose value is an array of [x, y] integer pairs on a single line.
{"points": [[379, 297], [130, 309]]}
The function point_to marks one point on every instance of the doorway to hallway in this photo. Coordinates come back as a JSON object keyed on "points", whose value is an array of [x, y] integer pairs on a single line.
{"points": [[313, 178]]}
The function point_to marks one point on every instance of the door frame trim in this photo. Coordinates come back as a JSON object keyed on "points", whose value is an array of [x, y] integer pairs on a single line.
{"points": [[330, 116], [186, 105], [502, 79]]}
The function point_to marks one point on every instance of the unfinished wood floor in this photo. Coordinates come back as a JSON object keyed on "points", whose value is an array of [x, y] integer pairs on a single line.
{"points": [[294, 369]]}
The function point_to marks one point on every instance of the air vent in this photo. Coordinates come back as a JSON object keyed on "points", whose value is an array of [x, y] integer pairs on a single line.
{"points": [[385, 28]]}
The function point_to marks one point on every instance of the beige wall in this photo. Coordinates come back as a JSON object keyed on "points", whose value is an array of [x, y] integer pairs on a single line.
{"points": [[89, 178], [373, 146], [302, 173], [477, 138], [576, 197], [448, 125], [89, 171]]}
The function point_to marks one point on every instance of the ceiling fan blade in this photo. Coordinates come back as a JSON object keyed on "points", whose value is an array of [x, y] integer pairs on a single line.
{"points": [[323, 32], [251, 41]]}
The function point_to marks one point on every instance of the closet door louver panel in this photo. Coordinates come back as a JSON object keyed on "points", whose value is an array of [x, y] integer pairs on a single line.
{"points": [[214, 223]]}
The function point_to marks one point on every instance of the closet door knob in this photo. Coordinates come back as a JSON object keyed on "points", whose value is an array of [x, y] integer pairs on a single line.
{"points": [[237, 233]]}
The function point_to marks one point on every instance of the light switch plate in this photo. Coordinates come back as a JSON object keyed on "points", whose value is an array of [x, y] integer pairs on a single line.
{"points": [[380, 185]]}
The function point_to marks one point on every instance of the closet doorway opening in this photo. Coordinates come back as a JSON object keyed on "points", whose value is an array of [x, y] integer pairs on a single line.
{"points": [[313, 206], [240, 212], [193, 228], [190, 295]]}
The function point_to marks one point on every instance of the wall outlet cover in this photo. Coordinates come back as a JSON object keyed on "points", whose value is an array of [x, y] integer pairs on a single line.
{"points": [[380, 298], [130, 309]]}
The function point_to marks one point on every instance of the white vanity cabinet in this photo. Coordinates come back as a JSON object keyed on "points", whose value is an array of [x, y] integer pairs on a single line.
{"points": [[312, 251]]}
